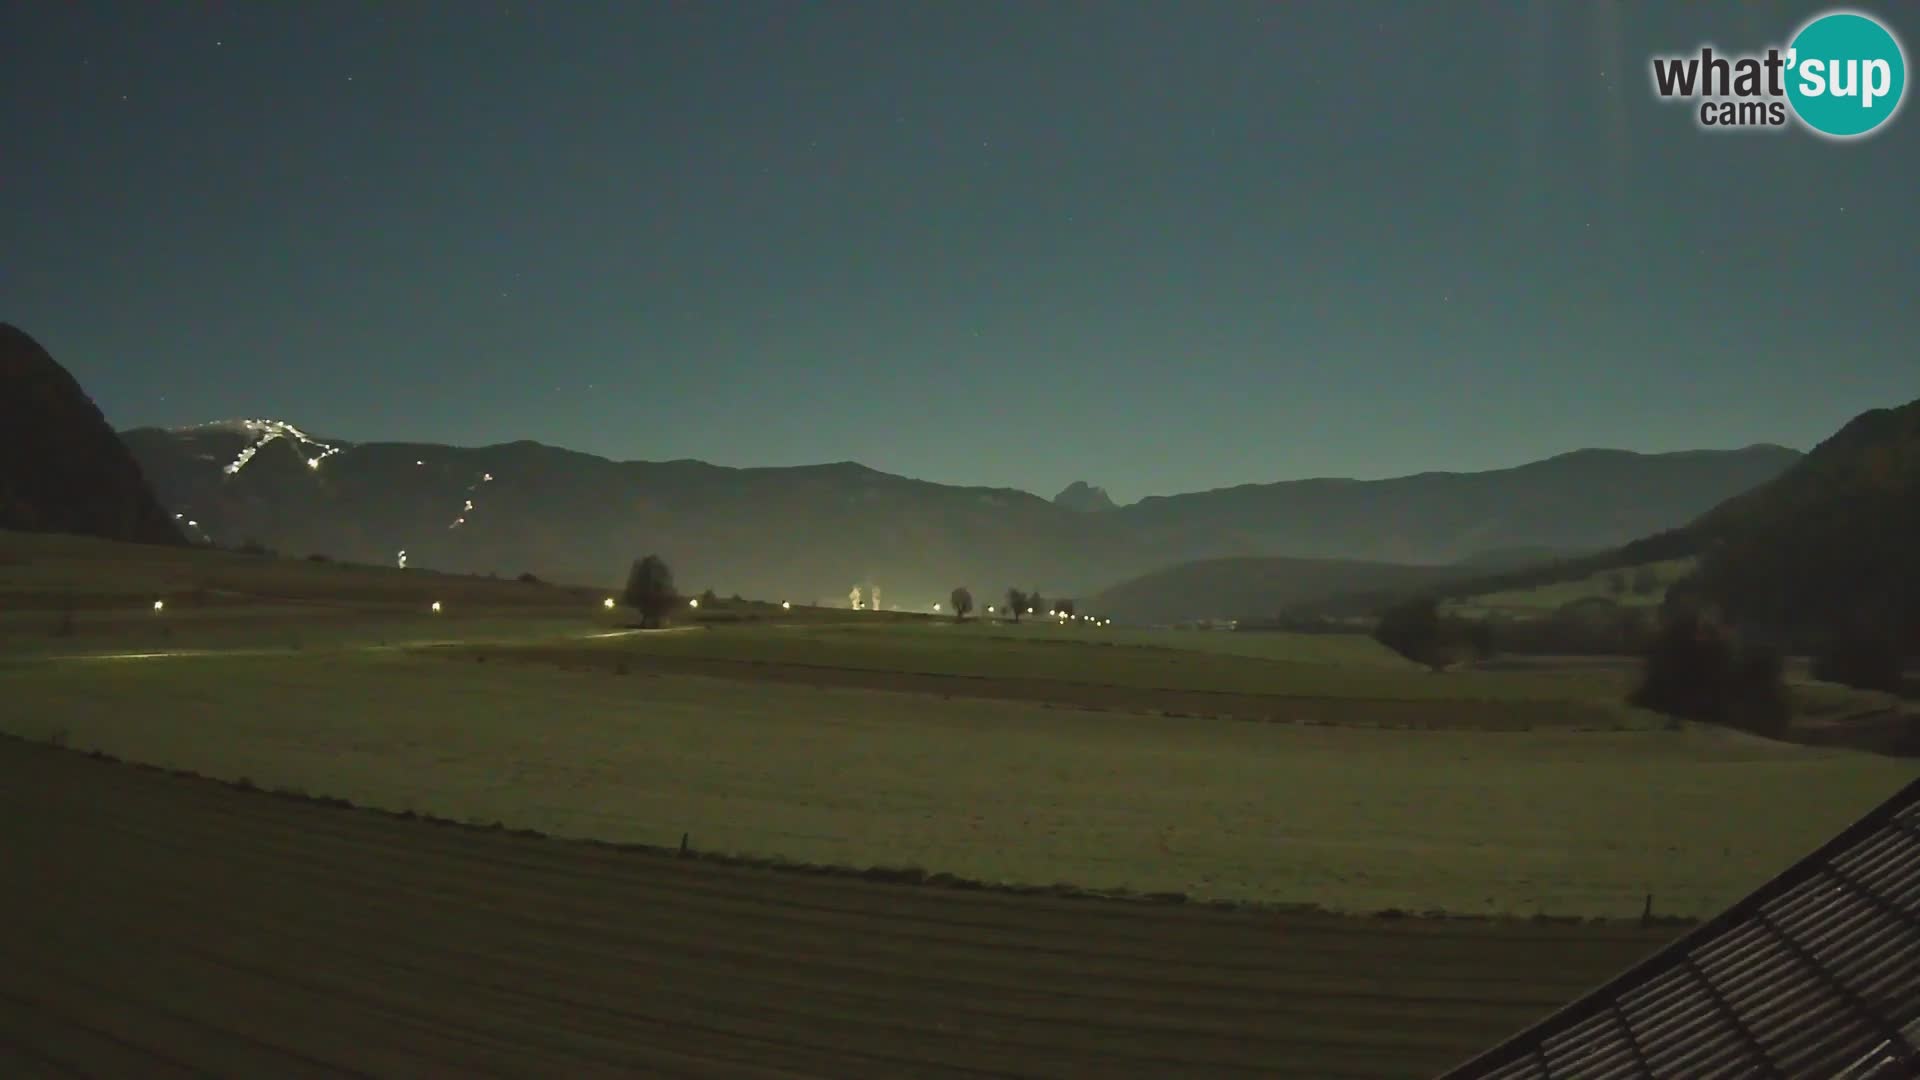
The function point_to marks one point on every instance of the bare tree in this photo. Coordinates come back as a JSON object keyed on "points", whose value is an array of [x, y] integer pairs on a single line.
{"points": [[1017, 603], [962, 603]]}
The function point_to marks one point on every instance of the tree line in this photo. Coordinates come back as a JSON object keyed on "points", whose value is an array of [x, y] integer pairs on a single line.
{"points": [[650, 591], [1715, 648]]}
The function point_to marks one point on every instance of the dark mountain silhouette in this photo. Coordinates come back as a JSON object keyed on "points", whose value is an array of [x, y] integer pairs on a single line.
{"points": [[1830, 542], [811, 532], [1587, 499], [1084, 497], [62, 468]]}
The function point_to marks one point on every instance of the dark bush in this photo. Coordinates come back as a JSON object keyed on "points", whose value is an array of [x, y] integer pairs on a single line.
{"points": [[318, 557], [1697, 670], [1592, 627], [1862, 656], [1416, 630], [528, 577], [1411, 629]]}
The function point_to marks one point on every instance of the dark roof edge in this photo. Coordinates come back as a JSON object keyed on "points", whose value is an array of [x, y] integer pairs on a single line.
{"points": [[1597, 1000]]}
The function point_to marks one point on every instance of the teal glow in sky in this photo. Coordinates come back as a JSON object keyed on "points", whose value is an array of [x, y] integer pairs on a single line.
{"points": [[1159, 247]]}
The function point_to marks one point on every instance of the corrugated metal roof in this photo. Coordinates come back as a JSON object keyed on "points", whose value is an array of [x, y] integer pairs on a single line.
{"points": [[1816, 974]]}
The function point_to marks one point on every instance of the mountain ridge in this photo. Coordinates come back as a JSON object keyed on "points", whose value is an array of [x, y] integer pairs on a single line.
{"points": [[807, 532]]}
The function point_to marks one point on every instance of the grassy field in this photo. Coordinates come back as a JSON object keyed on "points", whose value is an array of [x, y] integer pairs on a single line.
{"points": [[1095, 758], [66, 594], [44, 572], [177, 927], [1554, 820], [1266, 664]]}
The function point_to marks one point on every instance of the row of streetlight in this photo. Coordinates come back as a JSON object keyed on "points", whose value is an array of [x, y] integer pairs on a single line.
{"points": [[785, 605]]}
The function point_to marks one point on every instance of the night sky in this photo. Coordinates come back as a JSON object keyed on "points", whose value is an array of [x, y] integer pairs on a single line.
{"points": [[1160, 247]]}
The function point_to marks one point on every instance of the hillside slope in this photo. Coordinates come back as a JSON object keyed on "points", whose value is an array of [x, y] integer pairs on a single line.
{"points": [[1833, 540], [1830, 541], [62, 468], [1585, 500]]}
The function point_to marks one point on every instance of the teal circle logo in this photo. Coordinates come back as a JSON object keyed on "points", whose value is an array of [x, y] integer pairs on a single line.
{"points": [[1846, 74]]}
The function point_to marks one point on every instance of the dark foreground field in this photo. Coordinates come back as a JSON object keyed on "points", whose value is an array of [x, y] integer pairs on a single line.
{"points": [[163, 925]]}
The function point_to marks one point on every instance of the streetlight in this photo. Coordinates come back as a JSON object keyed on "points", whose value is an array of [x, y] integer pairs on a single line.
{"points": [[786, 605], [607, 603], [936, 607], [436, 607], [159, 605], [694, 602]]}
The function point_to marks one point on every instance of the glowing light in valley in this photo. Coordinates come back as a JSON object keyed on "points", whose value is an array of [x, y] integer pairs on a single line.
{"points": [[436, 606], [1029, 611], [786, 605], [989, 609], [159, 605], [607, 603], [403, 558], [419, 463], [694, 602], [936, 607]]}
